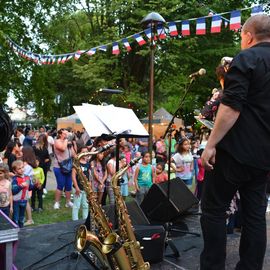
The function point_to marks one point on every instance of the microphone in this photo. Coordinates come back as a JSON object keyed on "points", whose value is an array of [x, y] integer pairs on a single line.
{"points": [[111, 91], [134, 161], [226, 60], [114, 135], [105, 147], [200, 72]]}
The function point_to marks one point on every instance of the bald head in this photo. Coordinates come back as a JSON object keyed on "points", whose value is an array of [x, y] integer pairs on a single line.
{"points": [[258, 26], [255, 30]]}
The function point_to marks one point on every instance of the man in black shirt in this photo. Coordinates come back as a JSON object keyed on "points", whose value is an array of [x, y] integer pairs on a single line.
{"points": [[237, 155]]}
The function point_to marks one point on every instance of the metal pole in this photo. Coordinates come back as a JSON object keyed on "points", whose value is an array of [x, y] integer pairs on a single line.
{"points": [[151, 92]]}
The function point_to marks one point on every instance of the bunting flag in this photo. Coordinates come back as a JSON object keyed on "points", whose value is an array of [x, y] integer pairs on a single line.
{"points": [[235, 21], [172, 29], [257, 10], [91, 51], [161, 32], [200, 27], [78, 54], [103, 48], [70, 57], [115, 48], [148, 33], [64, 59], [139, 39], [53, 60], [216, 24], [126, 44], [185, 28]]}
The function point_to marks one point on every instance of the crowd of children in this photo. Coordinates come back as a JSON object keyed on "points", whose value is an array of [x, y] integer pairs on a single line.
{"points": [[24, 171]]}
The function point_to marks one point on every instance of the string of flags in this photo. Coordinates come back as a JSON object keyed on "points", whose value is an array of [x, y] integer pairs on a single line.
{"points": [[161, 33]]}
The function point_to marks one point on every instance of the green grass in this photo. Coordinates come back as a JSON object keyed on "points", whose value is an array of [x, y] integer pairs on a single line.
{"points": [[50, 215]]}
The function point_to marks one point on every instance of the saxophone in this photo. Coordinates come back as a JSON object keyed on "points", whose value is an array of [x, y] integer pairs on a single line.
{"points": [[131, 245], [107, 242]]}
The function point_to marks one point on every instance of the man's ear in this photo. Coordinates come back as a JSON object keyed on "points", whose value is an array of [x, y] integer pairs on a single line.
{"points": [[250, 38]]}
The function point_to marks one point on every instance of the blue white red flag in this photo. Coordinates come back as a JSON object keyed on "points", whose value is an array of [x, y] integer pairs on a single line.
{"points": [[172, 29], [64, 59], [103, 48], [53, 60], [139, 39], [185, 28], [59, 60], [91, 51], [78, 54], [235, 21], [257, 10], [126, 44], [200, 27], [216, 24], [148, 33], [161, 32], [70, 56], [115, 48]]}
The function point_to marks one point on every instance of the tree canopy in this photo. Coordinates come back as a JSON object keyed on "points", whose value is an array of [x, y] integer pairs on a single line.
{"points": [[61, 26]]}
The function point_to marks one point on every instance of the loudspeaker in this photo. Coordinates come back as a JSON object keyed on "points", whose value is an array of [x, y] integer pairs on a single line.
{"points": [[152, 240], [136, 214], [158, 207]]}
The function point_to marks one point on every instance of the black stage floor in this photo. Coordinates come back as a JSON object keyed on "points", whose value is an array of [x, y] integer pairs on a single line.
{"points": [[37, 242]]}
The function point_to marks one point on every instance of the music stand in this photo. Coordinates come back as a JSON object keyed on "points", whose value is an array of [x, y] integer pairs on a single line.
{"points": [[114, 121]]}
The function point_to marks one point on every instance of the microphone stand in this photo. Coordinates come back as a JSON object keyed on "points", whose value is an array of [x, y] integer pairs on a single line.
{"points": [[169, 130]]}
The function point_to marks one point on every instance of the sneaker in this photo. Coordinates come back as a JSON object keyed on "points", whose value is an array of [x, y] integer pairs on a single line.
{"points": [[29, 222], [43, 196], [40, 210], [69, 204], [56, 205]]}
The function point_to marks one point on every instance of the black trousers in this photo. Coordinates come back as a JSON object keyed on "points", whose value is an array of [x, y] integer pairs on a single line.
{"points": [[220, 186], [37, 193]]}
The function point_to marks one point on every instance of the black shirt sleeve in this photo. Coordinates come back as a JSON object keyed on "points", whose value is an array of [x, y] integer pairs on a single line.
{"points": [[237, 81]]}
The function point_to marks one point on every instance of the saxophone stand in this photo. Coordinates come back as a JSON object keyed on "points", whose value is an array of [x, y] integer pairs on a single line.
{"points": [[169, 227]]}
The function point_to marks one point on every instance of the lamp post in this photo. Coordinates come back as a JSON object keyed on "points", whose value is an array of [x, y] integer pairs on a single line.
{"points": [[152, 20]]}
